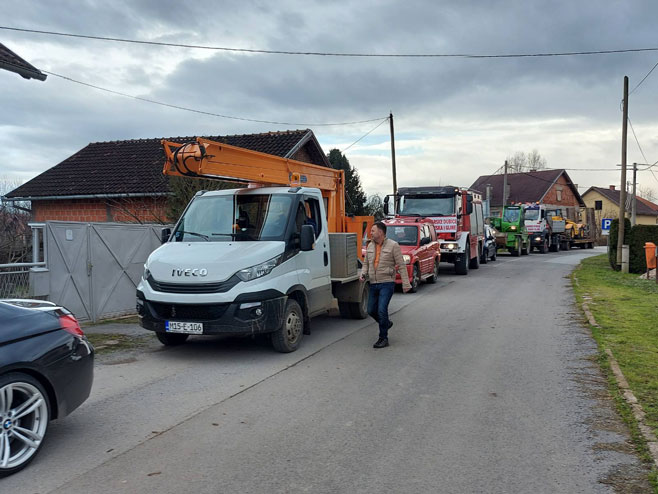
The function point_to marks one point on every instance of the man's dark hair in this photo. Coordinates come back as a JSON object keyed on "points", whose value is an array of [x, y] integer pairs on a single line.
{"points": [[381, 226]]}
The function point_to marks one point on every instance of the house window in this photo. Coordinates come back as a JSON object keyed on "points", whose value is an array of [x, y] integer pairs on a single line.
{"points": [[558, 192], [598, 205]]}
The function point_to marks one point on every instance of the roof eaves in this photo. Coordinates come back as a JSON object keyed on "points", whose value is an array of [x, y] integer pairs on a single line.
{"points": [[24, 72]]}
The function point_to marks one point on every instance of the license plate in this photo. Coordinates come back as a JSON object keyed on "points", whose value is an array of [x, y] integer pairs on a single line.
{"points": [[184, 327]]}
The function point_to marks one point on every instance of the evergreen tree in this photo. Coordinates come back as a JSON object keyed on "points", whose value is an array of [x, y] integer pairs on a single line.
{"points": [[355, 197]]}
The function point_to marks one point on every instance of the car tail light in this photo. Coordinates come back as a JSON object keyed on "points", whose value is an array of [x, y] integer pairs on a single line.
{"points": [[70, 325]]}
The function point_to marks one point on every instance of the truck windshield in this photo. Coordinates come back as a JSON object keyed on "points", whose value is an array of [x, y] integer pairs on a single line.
{"points": [[235, 218], [403, 235], [532, 214], [426, 206], [511, 215]]}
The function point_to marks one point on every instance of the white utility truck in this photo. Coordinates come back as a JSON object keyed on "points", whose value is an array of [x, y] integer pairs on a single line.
{"points": [[258, 260]]}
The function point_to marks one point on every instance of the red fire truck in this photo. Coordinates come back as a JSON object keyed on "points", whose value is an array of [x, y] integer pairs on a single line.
{"points": [[457, 215]]}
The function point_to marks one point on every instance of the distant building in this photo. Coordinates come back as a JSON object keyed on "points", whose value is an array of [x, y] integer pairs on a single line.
{"points": [[605, 200], [13, 63], [553, 187]]}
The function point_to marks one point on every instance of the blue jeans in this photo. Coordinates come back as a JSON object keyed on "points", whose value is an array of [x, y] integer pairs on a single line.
{"points": [[378, 300]]}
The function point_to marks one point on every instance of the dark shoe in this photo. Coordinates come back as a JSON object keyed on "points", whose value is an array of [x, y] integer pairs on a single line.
{"points": [[381, 343]]}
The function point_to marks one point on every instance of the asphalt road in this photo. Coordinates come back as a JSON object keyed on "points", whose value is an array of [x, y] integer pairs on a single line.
{"points": [[490, 385]]}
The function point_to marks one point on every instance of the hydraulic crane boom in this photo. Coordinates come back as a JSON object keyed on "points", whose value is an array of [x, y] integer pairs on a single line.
{"points": [[204, 158]]}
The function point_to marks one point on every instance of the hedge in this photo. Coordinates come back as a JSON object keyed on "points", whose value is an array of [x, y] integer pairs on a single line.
{"points": [[635, 237]]}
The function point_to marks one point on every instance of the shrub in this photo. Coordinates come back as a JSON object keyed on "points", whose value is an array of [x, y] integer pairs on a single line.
{"points": [[612, 240], [640, 234]]}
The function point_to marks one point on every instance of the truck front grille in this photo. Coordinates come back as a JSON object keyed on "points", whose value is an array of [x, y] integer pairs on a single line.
{"points": [[185, 312], [218, 287]]}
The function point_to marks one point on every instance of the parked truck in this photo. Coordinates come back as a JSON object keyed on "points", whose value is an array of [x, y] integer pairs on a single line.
{"points": [[559, 228], [457, 215], [258, 260], [511, 232]]}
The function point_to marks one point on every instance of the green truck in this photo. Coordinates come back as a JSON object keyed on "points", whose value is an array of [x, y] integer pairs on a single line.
{"points": [[512, 233]]}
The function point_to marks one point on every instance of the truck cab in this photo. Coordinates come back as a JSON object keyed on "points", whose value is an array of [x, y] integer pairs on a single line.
{"points": [[457, 215], [512, 233]]}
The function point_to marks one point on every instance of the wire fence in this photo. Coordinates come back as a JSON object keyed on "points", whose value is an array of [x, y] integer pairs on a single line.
{"points": [[15, 280]]}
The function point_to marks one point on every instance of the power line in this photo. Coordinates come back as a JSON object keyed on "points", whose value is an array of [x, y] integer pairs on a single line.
{"points": [[636, 141], [366, 134], [335, 54], [177, 107], [643, 79]]}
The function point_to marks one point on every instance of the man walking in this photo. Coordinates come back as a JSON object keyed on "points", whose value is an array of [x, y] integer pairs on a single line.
{"points": [[383, 255]]}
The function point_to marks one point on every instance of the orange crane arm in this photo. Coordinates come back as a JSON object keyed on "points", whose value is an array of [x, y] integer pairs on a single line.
{"points": [[204, 158]]}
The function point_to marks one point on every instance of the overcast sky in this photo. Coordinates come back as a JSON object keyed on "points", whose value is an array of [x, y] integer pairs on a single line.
{"points": [[455, 119]]}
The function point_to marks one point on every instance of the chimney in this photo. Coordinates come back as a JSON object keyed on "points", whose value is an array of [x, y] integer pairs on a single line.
{"points": [[612, 187]]}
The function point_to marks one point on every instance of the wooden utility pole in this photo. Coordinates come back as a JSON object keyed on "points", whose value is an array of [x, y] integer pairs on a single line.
{"points": [[634, 201], [395, 178], [505, 186], [622, 192]]}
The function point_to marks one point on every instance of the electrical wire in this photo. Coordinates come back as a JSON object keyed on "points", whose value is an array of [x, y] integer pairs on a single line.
{"points": [[177, 107], [335, 54], [366, 134], [643, 79]]}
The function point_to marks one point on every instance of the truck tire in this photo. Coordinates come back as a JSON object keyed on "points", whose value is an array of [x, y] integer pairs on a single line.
{"points": [[525, 250], [484, 258], [356, 310], [287, 338], [435, 273], [171, 339], [590, 245], [415, 279], [544, 246], [516, 250], [461, 267], [475, 262]]}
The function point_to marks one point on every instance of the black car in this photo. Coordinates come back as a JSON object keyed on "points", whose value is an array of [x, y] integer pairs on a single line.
{"points": [[46, 372]]}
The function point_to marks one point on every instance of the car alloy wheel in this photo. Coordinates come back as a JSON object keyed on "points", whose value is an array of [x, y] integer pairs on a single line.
{"points": [[24, 416]]}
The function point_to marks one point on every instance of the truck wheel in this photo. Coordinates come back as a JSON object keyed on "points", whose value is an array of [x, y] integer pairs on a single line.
{"points": [[356, 310], [526, 250], [435, 273], [484, 258], [475, 262], [415, 279], [286, 339], [461, 267], [544, 246], [171, 339], [590, 245], [516, 250]]}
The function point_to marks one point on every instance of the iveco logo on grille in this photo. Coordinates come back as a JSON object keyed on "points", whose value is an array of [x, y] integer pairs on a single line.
{"points": [[189, 272]]}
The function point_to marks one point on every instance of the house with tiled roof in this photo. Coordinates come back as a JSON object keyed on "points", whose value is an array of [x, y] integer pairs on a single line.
{"points": [[606, 200], [13, 63], [553, 187], [122, 181]]}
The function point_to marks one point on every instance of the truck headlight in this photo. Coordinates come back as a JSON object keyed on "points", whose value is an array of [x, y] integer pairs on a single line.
{"points": [[537, 239], [406, 258], [259, 270], [146, 274], [449, 246], [513, 228]]}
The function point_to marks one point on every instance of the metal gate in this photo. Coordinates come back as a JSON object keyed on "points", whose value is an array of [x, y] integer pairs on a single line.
{"points": [[94, 268]]}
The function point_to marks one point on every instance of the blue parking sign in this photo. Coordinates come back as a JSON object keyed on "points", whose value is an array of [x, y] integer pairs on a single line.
{"points": [[605, 226]]}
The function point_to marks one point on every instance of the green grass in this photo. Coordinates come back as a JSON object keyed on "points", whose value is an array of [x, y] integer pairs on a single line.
{"points": [[108, 342], [132, 319], [626, 308]]}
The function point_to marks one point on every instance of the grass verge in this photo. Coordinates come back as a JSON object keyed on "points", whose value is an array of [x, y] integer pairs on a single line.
{"points": [[626, 309]]}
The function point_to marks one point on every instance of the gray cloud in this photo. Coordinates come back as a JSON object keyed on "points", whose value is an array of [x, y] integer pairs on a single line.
{"points": [[431, 98]]}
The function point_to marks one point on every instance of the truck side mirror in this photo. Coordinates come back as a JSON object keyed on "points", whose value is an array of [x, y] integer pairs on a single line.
{"points": [[307, 238], [425, 240], [386, 206], [165, 233]]}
